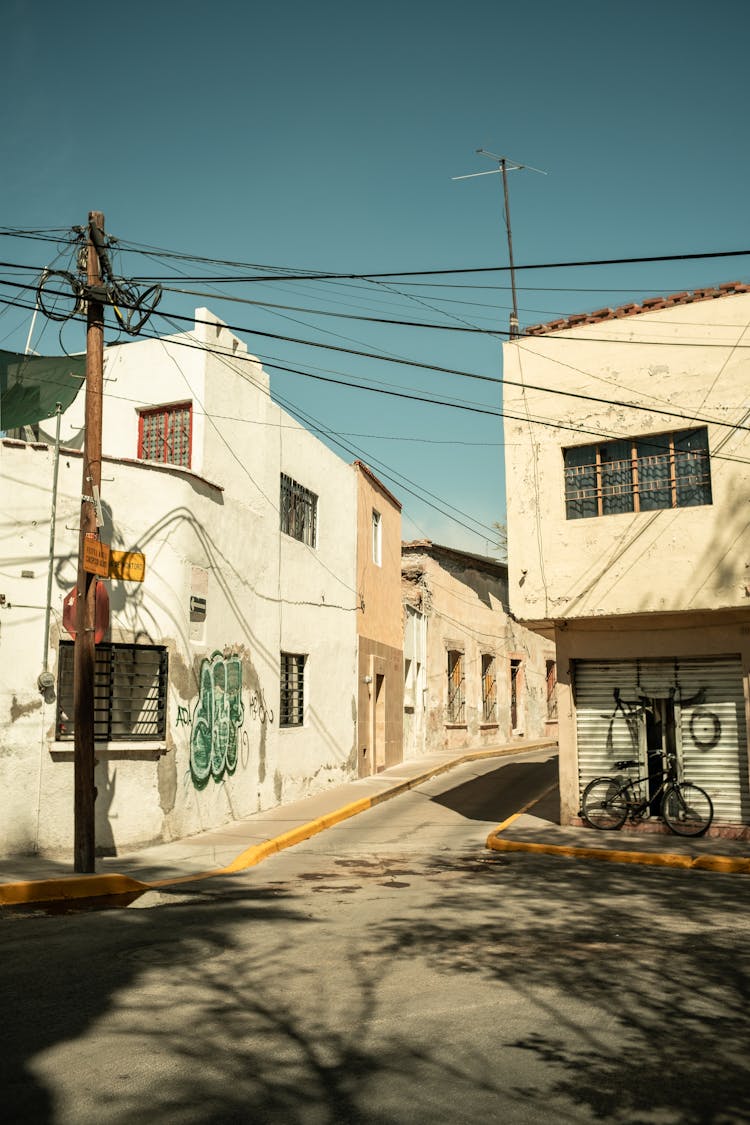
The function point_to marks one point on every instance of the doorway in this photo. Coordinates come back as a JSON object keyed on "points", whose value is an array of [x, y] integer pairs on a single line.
{"points": [[378, 741], [661, 743]]}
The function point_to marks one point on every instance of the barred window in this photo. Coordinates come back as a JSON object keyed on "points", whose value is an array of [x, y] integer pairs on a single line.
{"points": [[489, 689], [130, 693], [292, 704], [638, 474], [455, 687], [299, 511], [165, 434]]}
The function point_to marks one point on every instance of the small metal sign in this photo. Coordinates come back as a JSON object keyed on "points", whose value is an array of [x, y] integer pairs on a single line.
{"points": [[128, 566], [95, 557], [197, 607]]}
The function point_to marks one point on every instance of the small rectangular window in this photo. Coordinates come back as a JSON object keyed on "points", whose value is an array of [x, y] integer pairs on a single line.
{"points": [[489, 689], [292, 703], [377, 538], [165, 433], [130, 693], [456, 707], [298, 509], [638, 474]]}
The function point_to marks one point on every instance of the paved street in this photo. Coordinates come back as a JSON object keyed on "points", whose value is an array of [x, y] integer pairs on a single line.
{"points": [[391, 970]]}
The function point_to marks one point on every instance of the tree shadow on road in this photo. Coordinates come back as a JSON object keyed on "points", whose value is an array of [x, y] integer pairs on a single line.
{"points": [[653, 961], [224, 1009]]}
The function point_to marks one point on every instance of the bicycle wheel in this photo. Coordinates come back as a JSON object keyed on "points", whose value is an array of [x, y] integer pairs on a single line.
{"points": [[603, 804], [687, 810]]}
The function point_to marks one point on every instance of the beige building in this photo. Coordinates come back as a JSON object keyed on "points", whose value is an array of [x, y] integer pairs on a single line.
{"points": [[473, 675], [380, 632], [628, 444]]}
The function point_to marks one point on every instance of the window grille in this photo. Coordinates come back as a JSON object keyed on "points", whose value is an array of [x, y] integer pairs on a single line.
{"points": [[551, 689], [638, 474], [456, 687], [165, 434], [130, 693], [299, 511], [489, 689], [292, 704]]}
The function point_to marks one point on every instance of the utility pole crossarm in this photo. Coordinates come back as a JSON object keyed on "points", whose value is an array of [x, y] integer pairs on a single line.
{"points": [[504, 166]]}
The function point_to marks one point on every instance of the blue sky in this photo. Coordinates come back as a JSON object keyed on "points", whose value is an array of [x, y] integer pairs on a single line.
{"points": [[325, 137]]}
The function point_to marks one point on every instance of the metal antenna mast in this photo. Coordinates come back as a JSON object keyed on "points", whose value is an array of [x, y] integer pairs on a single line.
{"points": [[504, 166]]}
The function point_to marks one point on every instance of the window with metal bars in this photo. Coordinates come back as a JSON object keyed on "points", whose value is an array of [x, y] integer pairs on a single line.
{"points": [[165, 433], [292, 702], [489, 689], [130, 693], [638, 474], [456, 706], [299, 511]]}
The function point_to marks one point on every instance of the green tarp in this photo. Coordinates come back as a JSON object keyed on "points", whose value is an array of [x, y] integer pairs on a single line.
{"points": [[32, 385]]}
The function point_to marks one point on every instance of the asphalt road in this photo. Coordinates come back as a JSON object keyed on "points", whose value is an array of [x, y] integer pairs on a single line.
{"points": [[391, 970]]}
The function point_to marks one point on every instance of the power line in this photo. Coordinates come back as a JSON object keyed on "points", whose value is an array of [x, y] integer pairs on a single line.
{"points": [[689, 418], [331, 276]]}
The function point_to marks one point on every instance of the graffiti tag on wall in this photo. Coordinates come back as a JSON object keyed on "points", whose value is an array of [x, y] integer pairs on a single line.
{"points": [[217, 719]]}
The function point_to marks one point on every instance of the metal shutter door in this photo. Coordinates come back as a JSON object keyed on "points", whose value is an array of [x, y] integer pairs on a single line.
{"points": [[713, 734]]}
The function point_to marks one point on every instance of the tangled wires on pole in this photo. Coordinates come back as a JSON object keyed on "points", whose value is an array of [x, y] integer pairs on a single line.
{"points": [[132, 306]]}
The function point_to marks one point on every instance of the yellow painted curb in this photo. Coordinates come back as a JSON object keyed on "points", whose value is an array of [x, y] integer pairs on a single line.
{"points": [[731, 865], [77, 886], [91, 886]]}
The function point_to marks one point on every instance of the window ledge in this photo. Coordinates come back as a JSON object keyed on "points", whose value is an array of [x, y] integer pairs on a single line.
{"points": [[65, 751], [456, 726], [488, 726]]}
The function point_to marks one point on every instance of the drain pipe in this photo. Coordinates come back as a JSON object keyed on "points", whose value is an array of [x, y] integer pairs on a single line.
{"points": [[46, 681]]}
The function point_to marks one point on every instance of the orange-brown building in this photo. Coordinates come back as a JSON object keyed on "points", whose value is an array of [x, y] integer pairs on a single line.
{"points": [[380, 702]]}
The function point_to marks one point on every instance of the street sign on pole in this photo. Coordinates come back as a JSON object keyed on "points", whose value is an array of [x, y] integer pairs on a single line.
{"points": [[95, 556], [128, 566]]}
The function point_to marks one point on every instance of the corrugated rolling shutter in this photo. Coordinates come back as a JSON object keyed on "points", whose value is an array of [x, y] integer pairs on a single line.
{"points": [[607, 730], [710, 729], [712, 733]]}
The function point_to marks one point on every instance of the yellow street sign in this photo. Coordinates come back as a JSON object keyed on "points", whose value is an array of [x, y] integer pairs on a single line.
{"points": [[128, 566], [95, 557]]}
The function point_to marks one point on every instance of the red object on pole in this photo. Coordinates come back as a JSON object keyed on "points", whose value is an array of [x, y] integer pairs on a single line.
{"points": [[101, 612]]}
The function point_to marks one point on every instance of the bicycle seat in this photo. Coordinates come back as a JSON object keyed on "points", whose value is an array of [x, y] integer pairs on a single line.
{"points": [[626, 765]]}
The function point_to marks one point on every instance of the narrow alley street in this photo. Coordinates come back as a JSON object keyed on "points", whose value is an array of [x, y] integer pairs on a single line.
{"points": [[390, 970]]}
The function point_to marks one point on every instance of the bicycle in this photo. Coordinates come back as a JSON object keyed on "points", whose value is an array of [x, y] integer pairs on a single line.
{"points": [[686, 809]]}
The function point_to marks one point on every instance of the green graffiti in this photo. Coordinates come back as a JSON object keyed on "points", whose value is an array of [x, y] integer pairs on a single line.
{"points": [[217, 719], [183, 717]]}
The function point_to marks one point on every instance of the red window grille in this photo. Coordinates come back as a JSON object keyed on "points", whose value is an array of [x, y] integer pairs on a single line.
{"points": [[166, 433]]}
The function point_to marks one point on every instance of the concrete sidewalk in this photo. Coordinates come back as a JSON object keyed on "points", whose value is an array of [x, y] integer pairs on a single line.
{"points": [[235, 846], [536, 830]]}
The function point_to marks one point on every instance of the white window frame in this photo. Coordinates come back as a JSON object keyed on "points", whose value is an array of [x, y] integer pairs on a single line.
{"points": [[377, 537]]}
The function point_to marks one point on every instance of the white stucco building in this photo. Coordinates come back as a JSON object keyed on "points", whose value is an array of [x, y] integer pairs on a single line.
{"points": [[628, 450], [226, 682]]}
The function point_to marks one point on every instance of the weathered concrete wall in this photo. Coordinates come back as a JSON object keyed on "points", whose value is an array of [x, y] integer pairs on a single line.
{"points": [[684, 359], [217, 538], [465, 604]]}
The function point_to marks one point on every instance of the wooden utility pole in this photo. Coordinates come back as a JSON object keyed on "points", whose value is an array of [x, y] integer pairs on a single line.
{"points": [[84, 657]]}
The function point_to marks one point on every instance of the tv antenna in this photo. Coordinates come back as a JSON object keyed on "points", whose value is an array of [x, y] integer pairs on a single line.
{"points": [[505, 165]]}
